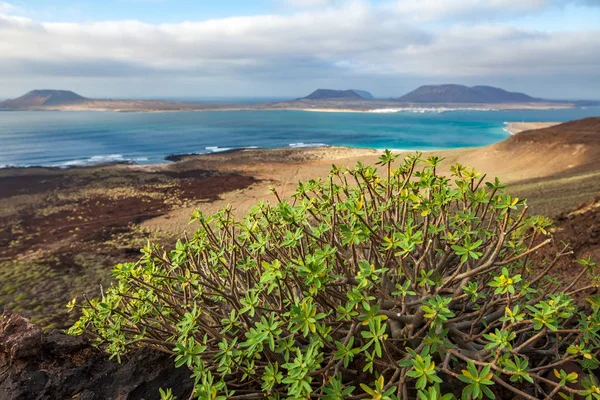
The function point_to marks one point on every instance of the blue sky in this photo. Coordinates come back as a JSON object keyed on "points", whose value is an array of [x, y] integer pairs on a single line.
{"points": [[566, 14], [152, 11], [150, 48]]}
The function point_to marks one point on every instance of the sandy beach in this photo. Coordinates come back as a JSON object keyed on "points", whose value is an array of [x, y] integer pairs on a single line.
{"points": [[332, 110], [516, 127]]}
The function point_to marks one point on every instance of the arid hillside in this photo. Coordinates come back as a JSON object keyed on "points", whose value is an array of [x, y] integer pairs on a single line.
{"points": [[565, 148]]}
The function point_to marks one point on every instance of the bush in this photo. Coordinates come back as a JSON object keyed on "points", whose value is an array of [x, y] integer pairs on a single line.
{"points": [[410, 285]]}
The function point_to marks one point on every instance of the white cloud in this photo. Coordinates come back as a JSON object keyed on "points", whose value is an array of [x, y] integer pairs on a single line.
{"points": [[474, 9], [225, 43], [6, 8], [350, 42]]}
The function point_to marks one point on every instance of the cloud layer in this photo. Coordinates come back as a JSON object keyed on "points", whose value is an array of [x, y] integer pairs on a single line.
{"points": [[409, 41]]}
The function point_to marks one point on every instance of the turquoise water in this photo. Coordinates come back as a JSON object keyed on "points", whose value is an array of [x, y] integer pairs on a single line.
{"points": [[79, 138]]}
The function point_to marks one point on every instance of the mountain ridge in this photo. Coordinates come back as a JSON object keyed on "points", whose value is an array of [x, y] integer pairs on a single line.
{"points": [[44, 98], [331, 94], [449, 95], [454, 93]]}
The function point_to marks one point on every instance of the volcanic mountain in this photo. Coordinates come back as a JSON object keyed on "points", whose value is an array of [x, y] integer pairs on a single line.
{"points": [[43, 98], [329, 94], [463, 94]]}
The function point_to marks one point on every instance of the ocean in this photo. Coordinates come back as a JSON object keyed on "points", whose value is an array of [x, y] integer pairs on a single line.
{"points": [[64, 139]]}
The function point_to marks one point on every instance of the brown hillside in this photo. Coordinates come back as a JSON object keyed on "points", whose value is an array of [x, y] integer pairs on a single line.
{"points": [[572, 147], [582, 131]]}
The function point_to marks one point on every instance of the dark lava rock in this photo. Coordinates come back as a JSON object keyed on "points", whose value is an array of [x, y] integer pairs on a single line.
{"points": [[52, 365], [19, 338]]}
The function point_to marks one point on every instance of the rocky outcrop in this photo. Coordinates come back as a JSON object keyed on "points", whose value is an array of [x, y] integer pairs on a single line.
{"points": [[19, 338], [52, 365]]}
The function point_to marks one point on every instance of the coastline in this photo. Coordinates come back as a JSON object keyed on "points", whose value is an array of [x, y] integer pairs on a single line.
{"points": [[517, 127], [374, 106], [81, 221], [511, 128]]}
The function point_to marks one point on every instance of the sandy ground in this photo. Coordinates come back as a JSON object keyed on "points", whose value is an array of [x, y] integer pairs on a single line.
{"points": [[281, 169], [334, 110], [516, 127], [61, 231]]}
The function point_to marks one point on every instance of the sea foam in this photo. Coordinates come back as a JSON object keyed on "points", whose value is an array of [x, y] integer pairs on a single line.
{"points": [[217, 149], [426, 110], [99, 159], [306, 145]]}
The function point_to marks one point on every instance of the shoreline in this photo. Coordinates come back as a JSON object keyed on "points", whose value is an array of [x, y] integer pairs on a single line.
{"points": [[377, 107], [177, 157], [512, 128], [173, 159]]}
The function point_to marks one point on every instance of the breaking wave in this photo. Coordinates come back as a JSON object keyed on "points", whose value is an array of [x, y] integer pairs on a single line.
{"points": [[306, 145]]}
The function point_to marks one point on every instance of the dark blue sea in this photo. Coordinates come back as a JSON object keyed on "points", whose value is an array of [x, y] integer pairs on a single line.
{"points": [[62, 138]]}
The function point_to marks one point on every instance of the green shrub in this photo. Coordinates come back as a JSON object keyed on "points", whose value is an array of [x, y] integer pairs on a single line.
{"points": [[406, 285]]}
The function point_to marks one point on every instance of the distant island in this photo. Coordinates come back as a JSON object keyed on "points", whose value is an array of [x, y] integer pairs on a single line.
{"points": [[44, 98], [328, 94], [428, 98], [464, 94]]}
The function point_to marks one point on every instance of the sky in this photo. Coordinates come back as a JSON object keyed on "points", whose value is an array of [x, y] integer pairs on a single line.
{"points": [[288, 48]]}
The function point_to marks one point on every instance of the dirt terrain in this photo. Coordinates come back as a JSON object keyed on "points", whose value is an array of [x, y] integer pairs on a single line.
{"points": [[61, 231], [581, 230], [517, 127]]}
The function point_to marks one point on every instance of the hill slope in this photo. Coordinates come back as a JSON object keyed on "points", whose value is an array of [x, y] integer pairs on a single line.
{"points": [[463, 94], [329, 94], [584, 132], [42, 98], [558, 151], [364, 94]]}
